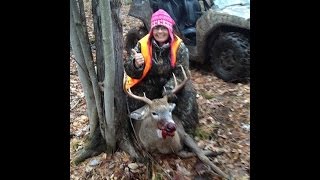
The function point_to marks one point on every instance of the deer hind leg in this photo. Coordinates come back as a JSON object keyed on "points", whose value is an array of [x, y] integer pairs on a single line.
{"points": [[189, 142], [208, 153]]}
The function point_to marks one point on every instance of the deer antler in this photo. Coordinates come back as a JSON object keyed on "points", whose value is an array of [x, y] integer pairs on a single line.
{"points": [[176, 86], [144, 98]]}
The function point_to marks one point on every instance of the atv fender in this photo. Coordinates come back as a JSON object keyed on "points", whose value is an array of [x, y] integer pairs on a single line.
{"points": [[212, 21]]}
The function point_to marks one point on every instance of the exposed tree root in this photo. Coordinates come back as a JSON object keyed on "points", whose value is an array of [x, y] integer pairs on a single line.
{"points": [[85, 153], [94, 146], [127, 146]]}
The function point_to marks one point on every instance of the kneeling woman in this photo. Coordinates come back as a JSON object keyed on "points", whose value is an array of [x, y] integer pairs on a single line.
{"points": [[151, 64]]}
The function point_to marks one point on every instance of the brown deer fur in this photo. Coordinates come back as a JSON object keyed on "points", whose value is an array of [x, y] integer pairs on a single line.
{"points": [[158, 131]]}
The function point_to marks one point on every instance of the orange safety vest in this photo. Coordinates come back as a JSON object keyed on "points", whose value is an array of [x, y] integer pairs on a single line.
{"points": [[146, 51]]}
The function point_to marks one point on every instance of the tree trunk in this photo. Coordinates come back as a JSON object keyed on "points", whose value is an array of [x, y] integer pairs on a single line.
{"points": [[123, 125], [109, 60], [107, 112], [85, 45], [98, 40], [82, 70], [81, 48]]}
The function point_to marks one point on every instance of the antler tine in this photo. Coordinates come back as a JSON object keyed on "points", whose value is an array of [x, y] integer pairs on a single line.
{"points": [[176, 86], [144, 98], [164, 88]]}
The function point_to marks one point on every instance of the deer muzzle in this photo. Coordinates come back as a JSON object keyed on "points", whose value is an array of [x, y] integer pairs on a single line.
{"points": [[170, 127], [167, 128]]}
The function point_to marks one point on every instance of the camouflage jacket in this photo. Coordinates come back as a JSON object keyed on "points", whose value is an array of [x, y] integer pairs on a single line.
{"points": [[160, 74]]}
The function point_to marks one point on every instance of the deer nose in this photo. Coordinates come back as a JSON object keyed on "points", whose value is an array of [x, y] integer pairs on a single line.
{"points": [[170, 127]]}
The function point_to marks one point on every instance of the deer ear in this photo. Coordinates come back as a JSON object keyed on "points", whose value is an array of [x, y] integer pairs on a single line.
{"points": [[139, 113], [136, 116], [172, 106]]}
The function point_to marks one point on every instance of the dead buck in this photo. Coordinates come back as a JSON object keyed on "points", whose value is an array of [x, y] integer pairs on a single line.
{"points": [[160, 131]]}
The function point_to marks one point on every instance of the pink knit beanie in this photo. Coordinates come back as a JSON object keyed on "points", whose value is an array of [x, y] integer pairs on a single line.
{"points": [[161, 17]]}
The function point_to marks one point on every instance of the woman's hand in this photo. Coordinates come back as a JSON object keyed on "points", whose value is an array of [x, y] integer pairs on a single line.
{"points": [[139, 60]]}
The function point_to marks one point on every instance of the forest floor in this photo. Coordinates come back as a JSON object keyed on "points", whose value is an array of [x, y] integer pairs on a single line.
{"points": [[224, 116]]}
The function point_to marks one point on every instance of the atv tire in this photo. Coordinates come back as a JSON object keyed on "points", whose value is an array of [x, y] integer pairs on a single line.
{"points": [[230, 57], [133, 36]]}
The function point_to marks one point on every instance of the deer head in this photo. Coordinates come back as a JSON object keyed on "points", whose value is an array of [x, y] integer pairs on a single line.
{"points": [[157, 113]]}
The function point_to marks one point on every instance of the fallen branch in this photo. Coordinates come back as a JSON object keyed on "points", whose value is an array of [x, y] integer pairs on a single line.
{"points": [[79, 99]]}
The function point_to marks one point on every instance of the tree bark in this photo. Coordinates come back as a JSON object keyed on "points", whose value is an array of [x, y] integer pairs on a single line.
{"points": [[85, 45], [123, 125], [98, 40], [109, 60], [106, 111], [83, 72], [99, 50], [80, 46]]}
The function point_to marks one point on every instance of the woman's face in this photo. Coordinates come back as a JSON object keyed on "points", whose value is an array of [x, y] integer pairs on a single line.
{"points": [[161, 34]]}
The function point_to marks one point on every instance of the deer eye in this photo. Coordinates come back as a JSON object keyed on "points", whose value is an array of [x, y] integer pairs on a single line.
{"points": [[154, 114]]}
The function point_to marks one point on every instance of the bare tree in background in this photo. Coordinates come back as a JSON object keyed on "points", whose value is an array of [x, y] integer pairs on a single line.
{"points": [[105, 100]]}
